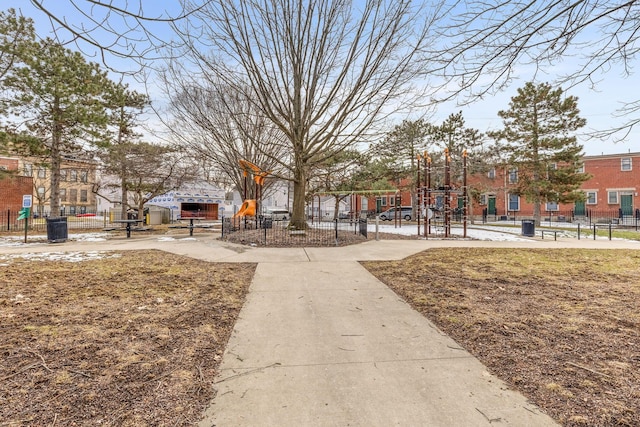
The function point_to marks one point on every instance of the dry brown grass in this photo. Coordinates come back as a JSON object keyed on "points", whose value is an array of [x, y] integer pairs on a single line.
{"points": [[129, 340], [561, 326], [135, 339]]}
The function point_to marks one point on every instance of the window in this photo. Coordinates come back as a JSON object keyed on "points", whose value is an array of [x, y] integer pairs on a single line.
{"points": [[625, 164], [514, 202], [483, 199], [73, 195], [592, 198], [383, 201], [83, 196], [580, 168], [84, 175], [613, 197], [63, 194], [28, 169], [63, 174], [42, 172], [392, 201], [513, 176], [492, 173], [40, 192], [73, 175], [552, 206]]}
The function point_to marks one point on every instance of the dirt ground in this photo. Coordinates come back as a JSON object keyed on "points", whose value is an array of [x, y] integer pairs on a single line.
{"points": [[133, 339], [560, 326]]}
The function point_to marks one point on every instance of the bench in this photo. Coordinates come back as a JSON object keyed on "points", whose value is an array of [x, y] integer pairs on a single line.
{"points": [[555, 233]]}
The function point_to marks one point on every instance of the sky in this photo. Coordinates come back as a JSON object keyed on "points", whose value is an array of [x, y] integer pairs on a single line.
{"points": [[597, 105]]}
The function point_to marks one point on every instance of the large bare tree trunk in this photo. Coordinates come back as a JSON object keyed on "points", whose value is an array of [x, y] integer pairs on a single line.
{"points": [[298, 217]]}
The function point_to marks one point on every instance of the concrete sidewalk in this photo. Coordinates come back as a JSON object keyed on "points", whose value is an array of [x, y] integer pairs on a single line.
{"points": [[327, 344], [321, 342]]}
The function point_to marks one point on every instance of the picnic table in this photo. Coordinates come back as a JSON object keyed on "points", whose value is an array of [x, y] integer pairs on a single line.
{"points": [[128, 223], [191, 225]]}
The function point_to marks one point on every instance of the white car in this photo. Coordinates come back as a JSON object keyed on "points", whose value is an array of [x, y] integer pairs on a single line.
{"points": [[278, 214], [390, 214]]}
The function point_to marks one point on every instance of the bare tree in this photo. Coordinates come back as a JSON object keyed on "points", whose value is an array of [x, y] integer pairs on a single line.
{"points": [[324, 72], [136, 30], [485, 42], [220, 127]]}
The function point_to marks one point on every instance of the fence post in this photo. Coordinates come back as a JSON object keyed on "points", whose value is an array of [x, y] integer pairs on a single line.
{"points": [[594, 231], [8, 219], [336, 227], [609, 231], [578, 231]]}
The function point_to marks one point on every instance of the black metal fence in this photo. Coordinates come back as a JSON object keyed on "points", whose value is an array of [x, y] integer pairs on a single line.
{"points": [[589, 217], [9, 221], [267, 232]]}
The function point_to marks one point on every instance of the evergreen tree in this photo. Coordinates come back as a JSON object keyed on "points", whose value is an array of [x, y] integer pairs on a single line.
{"points": [[57, 95], [538, 140]]}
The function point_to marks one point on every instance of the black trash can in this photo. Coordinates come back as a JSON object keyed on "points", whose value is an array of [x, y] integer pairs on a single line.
{"points": [[528, 228], [57, 230]]}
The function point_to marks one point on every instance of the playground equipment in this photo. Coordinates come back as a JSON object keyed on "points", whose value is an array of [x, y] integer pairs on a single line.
{"points": [[425, 194], [248, 208], [251, 207]]}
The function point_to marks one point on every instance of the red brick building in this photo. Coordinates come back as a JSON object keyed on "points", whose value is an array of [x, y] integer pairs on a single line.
{"points": [[12, 188], [612, 190]]}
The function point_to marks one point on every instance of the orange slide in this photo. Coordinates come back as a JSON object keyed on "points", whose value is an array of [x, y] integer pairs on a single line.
{"points": [[248, 208]]}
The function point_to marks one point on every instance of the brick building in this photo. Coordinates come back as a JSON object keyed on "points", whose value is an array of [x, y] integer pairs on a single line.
{"points": [[77, 177], [612, 190], [12, 188]]}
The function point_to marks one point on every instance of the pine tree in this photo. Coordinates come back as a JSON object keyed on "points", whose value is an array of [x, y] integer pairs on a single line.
{"points": [[58, 96], [539, 140]]}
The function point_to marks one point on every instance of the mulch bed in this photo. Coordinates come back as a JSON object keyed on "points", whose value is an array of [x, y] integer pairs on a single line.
{"points": [[560, 326]]}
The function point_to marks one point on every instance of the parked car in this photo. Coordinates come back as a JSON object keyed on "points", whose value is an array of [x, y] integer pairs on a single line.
{"points": [[390, 214], [278, 214]]}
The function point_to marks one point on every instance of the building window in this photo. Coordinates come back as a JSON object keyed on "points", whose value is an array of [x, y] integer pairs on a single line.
{"points": [[73, 195], [625, 164], [492, 173], [613, 197], [63, 194], [73, 175], [592, 198], [84, 176], [63, 174], [513, 176], [483, 199], [40, 192], [580, 168], [83, 196], [552, 206], [514, 202], [28, 169], [42, 172], [383, 201], [392, 201]]}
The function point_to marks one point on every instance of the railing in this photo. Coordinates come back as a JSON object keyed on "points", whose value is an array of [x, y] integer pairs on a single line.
{"points": [[9, 221], [275, 233]]}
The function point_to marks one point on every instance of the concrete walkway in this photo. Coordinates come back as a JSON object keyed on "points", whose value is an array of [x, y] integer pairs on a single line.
{"points": [[321, 342]]}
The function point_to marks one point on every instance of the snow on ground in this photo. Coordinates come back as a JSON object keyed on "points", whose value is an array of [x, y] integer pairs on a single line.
{"points": [[489, 232]]}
